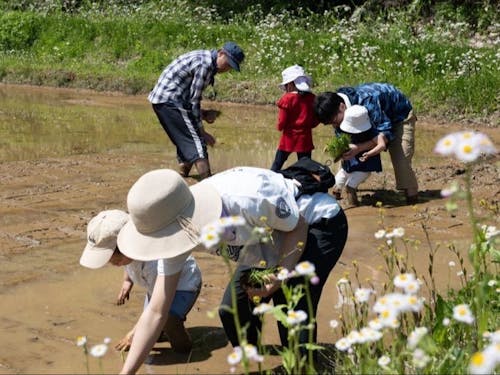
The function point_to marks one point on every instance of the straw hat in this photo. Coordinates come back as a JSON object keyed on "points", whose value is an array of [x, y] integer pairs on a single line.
{"points": [[355, 120], [102, 232], [166, 216], [297, 75]]}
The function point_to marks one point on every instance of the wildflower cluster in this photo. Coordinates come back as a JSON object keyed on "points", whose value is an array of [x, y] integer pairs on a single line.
{"points": [[466, 146], [96, 351]]}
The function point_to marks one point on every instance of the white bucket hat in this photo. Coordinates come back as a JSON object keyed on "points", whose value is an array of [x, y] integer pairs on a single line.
{"points": [[102, 232], [166, 216], [297, 75], [355, 120]]}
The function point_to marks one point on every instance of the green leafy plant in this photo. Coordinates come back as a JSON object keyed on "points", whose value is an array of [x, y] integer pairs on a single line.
{"points": [[338, 145]]}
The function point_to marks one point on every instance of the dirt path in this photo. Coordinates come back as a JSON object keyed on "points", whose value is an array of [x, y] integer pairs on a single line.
{"points": [[48, 299]]}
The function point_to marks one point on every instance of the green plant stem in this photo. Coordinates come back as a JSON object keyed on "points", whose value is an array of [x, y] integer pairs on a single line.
{"points": [[312, 321], [481, 320]]}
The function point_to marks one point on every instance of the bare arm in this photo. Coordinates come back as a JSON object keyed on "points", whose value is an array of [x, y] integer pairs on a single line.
{"points": [[126, 288], [151, 322], [357, 148], [381, 146]]}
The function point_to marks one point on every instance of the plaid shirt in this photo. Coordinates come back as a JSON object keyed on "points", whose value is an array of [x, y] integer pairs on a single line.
{"points": [[386, 105], [183, 81]]}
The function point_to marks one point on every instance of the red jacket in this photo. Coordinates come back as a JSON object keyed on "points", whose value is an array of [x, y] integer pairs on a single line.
{"points": [[296, 119]]}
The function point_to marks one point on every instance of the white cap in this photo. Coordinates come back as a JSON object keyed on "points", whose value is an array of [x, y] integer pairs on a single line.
{"points": [[355, 120], [297, 75], [102, 234]]}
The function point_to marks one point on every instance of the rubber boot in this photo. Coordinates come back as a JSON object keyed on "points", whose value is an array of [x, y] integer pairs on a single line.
{"points": [[179, 338], [352, 196]]}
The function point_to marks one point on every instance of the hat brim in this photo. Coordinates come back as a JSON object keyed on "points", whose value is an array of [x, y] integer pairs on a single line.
{"points": [[173, 240], [352, 130], [95, 257], [232, 62]]}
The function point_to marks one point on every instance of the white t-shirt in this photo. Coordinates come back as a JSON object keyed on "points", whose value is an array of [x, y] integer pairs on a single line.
{"points": [[253, 193], [256, 193], [317, 206], [144, 274]]}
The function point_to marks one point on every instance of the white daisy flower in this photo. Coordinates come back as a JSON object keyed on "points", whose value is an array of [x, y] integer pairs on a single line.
{"points": [[362, 295], [334, 324], [210, 238], [415, 303], [355, 337], [402, 280], [462, 313], [295, 317], [376, 324], [81, 340], [380, 234], [415, 337], [98, 350], [250, 351], [283, 274], [449, 191], [492, 283], [398, 232], [235, 356], [370, 334], [446, 322], [467, 151], [343, 344], [484, 143], [420, 358], [446, 145], [262, 308], [107, 340], [305, 268], [384, 361], [412, 287], [482, 363]]}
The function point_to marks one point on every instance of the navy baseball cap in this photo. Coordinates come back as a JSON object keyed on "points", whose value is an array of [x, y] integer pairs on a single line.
{"points": [[235, 54]]}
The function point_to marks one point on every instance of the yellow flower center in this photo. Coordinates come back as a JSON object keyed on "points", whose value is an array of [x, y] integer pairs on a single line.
{"points": [[467, 149], [477, 359]]}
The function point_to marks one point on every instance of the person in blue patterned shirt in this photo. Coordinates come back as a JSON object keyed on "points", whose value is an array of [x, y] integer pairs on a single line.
{"points": [[391, 114], [176, 100]]}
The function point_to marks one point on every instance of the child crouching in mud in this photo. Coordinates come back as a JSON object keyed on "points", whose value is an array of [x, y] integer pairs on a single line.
{"points": [[102, 233]]}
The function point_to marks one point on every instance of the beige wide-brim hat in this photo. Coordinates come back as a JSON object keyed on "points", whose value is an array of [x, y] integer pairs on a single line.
{"points": [[166, 216]]}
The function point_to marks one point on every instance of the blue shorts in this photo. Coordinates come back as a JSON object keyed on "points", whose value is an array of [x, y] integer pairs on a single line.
{"points": [[182, 129], [182, 304]]}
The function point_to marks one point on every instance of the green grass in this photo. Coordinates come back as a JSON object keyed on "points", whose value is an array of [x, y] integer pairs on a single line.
{"points": [[447, 67]]}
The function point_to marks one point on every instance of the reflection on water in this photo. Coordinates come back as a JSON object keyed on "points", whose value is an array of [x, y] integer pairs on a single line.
{"points": [[39, 122]]}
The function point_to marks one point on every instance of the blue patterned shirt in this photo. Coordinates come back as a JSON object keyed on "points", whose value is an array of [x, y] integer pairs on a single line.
{"points": [[183, 81], [386, 105]]}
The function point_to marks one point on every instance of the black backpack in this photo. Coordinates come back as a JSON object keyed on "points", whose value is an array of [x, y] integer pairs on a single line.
{"points": [[313, 177]]}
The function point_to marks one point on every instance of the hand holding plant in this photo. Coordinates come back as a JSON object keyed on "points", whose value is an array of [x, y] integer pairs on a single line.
{"points": [[338, 145]]}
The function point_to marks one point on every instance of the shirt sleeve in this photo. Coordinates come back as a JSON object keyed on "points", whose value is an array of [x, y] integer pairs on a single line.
{"points": [[200, 78], [283, 105], [171, 266], [378, 118]]}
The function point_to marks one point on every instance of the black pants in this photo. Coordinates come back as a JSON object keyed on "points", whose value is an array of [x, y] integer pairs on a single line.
{"points": [[282, 156], [325, 242]]}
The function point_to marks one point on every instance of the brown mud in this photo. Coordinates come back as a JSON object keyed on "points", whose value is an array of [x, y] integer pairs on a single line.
{"points": [[48, 299]]}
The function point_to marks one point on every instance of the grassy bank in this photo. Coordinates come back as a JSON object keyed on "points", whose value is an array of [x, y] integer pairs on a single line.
{"points": [[448, 67]]}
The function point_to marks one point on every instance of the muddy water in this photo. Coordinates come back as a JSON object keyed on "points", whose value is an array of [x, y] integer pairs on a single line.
{"points": [[67, 154]]}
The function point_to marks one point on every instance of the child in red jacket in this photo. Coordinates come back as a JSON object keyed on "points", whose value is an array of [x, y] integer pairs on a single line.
{"points": [[296, 116]]}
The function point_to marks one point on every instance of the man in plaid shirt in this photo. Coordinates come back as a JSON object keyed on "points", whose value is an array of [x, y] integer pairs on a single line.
{"points": [[176, 101], [391, 114]]}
